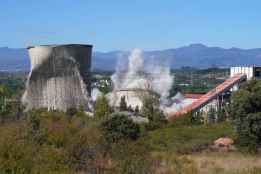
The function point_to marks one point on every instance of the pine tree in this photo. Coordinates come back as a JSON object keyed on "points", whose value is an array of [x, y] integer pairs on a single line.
{"points": [[150, 110], [211, 115], [101, 107], [136, 110], [130, 109], [123, 104], [4, 94]]}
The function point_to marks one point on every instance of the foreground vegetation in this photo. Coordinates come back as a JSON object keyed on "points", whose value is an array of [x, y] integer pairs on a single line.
{"points": [[53, 142], [41, 142]]}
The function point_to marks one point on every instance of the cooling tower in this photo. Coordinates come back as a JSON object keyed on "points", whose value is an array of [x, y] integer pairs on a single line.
{"points": [[59, 78]]}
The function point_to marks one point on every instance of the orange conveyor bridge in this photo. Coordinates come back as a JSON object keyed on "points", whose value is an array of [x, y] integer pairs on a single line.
{"points": [[212, 94]]}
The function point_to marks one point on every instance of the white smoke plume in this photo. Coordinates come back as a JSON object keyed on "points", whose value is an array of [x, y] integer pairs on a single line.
{"points": [[95, 93], [152, 75]]}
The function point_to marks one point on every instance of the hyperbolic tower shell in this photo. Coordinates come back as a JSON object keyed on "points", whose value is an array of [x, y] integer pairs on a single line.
{"points": [[59, 78]]}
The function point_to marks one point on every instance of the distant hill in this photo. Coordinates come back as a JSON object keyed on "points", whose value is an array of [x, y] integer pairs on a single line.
{"points": [[194, 55], [13, 59]]}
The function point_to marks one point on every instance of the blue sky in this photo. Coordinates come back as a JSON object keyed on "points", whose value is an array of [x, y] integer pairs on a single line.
{"points": [[126, 24]]}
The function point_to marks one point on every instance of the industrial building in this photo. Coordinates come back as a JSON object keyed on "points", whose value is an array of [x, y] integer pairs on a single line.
{"points": [[217, 97], [133, 97], [249, 71], [59, 78]]}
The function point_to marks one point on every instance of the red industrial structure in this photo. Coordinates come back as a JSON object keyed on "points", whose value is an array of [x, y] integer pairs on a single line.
{"points": [[193, 95], [211, 95]]}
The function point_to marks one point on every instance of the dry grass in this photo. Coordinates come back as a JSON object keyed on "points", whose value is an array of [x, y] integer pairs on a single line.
{"points": [[169, 145], [170, 163], [217, 163], [207, 163]]}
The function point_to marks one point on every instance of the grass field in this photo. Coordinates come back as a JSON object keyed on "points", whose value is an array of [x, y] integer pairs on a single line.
{"points": [[228, 163], [182, 149], [186, 138]]}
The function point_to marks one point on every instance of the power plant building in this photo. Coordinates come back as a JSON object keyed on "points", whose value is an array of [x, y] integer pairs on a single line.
{"points": [[249, 71], [133, 97]]}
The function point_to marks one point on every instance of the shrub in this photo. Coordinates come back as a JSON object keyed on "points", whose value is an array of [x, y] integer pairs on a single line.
{"points": [[211, 115], [181, 121], [71, 111], [150, 110], [221, 114], [6, 108], [123, 104], [136, 110], [157, 121], [187, 119], [131, 157], [246, 113], [49, 143], [16, 154], [250, 131], [120, 127], [84, 148], [101, 107]]}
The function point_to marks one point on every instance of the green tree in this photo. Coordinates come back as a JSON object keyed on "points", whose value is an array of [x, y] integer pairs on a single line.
{"points": [[136, 110], [120, 127], [71, 112], [5, 107], [212, 115], [123, 104], [101, 107], [245, 111], [196, 118], [188, 119], [150, 110], [130, 109], [5, 91], [221, 114], [149, 105], [132, 157]]}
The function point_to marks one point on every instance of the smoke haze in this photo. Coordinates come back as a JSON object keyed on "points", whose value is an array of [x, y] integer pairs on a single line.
{"points": [[141, 74]]}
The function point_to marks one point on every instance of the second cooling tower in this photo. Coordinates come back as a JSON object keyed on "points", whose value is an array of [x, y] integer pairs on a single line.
{"points": [[59, 78]]}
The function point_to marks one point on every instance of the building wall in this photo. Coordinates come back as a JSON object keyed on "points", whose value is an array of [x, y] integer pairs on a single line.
{"points": [[249, 71], [133, 97]]}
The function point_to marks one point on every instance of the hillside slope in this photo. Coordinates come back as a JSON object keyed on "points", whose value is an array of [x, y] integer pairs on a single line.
{"points": [[194, 55]]}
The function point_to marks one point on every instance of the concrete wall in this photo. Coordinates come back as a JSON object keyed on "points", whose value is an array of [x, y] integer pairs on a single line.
{"points": [[59, 78], [249, 71], [133, 97]]}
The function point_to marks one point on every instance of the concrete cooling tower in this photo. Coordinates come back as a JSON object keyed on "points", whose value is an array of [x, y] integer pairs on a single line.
{"points": [[59, 78]]}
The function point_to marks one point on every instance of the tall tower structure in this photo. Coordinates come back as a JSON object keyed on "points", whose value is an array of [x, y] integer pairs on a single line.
{"points": [[59, 78]]}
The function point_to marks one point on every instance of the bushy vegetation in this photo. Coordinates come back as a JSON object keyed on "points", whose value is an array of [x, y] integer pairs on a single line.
{"points": [[4, 94], [45, 142], [123, 104], [186, 138], [10, 108], [53, 142], [246, 113], [151, 110], [119, 127], [72, 142], [101, 107], [188, 119]]}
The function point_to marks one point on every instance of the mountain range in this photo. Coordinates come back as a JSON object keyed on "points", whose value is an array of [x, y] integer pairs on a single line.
{"points": [[194, 55]]}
